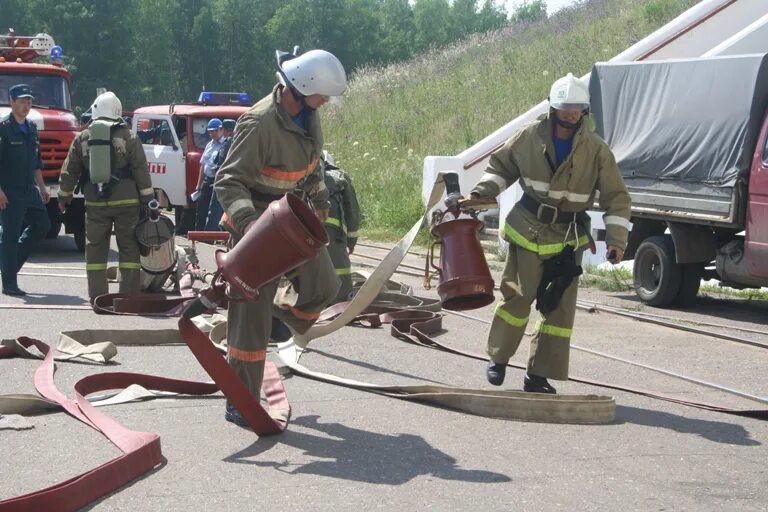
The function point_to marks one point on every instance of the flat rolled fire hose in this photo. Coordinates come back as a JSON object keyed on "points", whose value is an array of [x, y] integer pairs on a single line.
{"points": [[141, 450]]}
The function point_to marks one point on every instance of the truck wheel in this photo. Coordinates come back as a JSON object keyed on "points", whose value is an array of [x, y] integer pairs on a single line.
{"points": [[79, 237], [184, 219], [55, 217], [656, 275], [691, 274]]}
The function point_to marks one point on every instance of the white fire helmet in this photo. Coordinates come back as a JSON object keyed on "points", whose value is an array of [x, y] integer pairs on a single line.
{"points": [[107, 106], [569, 92], [314, 72]]}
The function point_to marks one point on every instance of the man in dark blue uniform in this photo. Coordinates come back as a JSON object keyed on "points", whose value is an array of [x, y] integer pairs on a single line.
{"points": [[22, 190]]}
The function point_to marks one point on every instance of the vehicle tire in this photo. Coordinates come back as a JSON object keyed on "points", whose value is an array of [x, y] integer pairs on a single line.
{"points": [[691, 274], [656, 274], [184, 219], [79, 237], [54, 231], [55, 217]]}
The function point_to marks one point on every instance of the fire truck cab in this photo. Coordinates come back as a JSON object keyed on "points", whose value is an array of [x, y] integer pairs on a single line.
{"points": [[52, 114], [174, 137]]}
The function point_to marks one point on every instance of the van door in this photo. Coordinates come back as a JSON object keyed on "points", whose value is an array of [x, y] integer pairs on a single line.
{"points": [[164, 153], [757, 208]]}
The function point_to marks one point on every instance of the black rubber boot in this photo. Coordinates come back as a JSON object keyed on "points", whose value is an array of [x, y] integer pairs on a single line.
{"points": [[14, 291], [535, 384], [495, 373], [232, 415], [280, 331]]}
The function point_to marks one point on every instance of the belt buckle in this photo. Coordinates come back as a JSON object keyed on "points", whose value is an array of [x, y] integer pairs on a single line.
{"points": [[547, 208]]}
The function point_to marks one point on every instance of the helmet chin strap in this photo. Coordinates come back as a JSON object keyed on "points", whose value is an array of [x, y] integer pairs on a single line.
{"points": [[300, 98], [567, 125]]}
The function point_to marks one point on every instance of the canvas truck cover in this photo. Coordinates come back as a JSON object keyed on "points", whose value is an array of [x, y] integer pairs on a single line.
{"points": [[683, 131]]}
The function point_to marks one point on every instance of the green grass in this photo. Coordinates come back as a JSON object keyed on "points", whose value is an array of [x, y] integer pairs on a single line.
{"points": [[620, 280], [609, 280], [748, 294], [445, 101]]}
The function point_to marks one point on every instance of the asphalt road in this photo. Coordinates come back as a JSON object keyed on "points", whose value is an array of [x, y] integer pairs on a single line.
{"points": [[350, 450]]}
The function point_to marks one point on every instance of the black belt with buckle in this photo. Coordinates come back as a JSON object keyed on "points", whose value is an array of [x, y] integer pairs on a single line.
{"points": [[546, 213]]}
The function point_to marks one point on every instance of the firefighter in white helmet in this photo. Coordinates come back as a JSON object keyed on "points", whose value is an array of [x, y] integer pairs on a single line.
{"points": [[276, 149], [561, 165], [106, 161]]}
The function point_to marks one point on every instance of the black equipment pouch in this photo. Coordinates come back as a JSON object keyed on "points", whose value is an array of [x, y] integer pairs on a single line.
{"points": [[559, 273]]}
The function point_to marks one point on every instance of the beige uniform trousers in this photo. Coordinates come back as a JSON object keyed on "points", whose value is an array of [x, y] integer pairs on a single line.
{"points": [[312, 287], [99, 222], [550, 346]]}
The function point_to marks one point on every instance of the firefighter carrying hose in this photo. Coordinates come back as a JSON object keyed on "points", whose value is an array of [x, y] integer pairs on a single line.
{"points": [[561, 165], [106, 161], [276, 149]]}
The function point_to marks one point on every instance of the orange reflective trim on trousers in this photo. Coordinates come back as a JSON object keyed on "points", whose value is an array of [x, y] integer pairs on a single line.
{"points": [[249, 356], [304, 315], [286, 175]]}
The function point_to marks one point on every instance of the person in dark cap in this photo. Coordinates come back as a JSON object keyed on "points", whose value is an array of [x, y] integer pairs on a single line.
{"points": [[215, 210], [85, 120], [23, 193], [207, 172]]}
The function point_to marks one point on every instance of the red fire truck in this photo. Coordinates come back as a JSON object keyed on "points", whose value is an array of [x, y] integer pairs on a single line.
{"points": [[51, 112], [178, 138]]}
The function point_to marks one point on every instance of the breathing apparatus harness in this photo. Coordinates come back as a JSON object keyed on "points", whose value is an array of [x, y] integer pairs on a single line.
{"points": [[101, 171]]}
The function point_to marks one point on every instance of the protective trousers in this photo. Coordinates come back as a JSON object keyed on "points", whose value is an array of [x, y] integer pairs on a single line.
{"points": [[99, 221], [24, 206], [312, 287], [550, 346], [340, 258]]}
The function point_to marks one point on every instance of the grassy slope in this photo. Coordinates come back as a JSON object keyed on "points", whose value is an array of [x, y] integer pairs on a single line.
{"points": [[445, 101]]}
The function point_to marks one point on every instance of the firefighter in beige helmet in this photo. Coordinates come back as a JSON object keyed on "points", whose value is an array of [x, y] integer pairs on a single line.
{"points": [[106, 161], [276, 149], [561, 165]]}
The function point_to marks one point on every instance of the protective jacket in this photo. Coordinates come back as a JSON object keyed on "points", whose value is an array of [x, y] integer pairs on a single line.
{"points": [[344, 217], [263, 162], [19, 155], [131, 181], [590, 167]]}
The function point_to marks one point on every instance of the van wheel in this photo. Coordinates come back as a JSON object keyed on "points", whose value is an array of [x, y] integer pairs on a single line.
{"points": [[79, 237], [184, 219], [656, 274], [55, 217]]}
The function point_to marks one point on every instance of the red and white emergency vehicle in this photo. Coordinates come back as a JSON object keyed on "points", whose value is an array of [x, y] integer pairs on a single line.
{"points": [[174, 137], [51, 112]]}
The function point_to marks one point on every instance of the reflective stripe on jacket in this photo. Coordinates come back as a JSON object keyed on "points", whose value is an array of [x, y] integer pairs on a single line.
{"points": [[345, 210], [590, 168], [270, 156]]}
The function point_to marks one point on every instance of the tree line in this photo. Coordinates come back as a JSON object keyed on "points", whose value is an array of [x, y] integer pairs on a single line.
{"points": [[165, 51]]}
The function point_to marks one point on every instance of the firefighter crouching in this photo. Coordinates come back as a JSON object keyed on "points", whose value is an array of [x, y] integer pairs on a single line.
{"points": [[276, 149], [342, 223], [106, 161], [560, 164]]}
